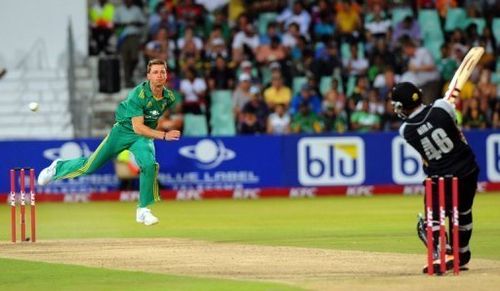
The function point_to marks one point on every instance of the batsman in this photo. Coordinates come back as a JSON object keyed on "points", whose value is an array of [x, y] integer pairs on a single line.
{"points": [[135, 129], [432, 130]]}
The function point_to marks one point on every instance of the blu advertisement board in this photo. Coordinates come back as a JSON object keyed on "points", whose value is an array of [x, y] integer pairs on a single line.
{"points": [[218, 164]]}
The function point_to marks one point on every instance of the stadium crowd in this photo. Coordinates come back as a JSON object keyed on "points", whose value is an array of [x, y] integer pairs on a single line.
{"points": [[304, 66]]}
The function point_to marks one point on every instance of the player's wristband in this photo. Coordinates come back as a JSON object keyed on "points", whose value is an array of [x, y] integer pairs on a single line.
{"points": [[164, 135]]}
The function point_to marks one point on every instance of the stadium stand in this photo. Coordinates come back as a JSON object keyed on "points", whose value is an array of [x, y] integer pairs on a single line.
{"points": [[314, 56], [49, 89]]}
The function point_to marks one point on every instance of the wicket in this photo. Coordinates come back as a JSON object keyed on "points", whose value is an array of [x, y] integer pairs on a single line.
{"points": [[22, 202], [453, 221]]}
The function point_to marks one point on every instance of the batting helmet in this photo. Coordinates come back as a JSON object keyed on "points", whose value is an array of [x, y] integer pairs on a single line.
{"points": [[405, 97]]}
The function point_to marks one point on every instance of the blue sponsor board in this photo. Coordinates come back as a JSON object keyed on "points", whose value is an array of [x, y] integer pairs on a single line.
{"points": [[255, 161]]}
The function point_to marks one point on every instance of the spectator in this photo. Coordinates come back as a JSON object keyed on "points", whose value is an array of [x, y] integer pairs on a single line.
{"points": [[298, 53], [277, 93], [129, 20], [245, 43], [333, 98], [421, 70], [322, 7], [495, 124], [275, 52], [160, 48], [246, 67], [190, 39], [377, 28], [389, 57], [216, 48], [489, 42], [384, 82], [189, 13], [442, 7], [323, 20], [291, 36], [447, 65], [376, 66], [306, 121], [241, 95], [163, 18], [486, 92], [472, 35], [356, 64], [375, 104], [278, 122], [407, 27], [219, 23], [364, 121], [348, 21], [101, 26], [474, 117], [296, 15], [249, 124], [216, 44], [306, 95], [335, 118], [189, 59], [312, 82], [194, 90], [326, 60], [272, 31], [221, 77], [258, 106], [390, 120], [361, 89], [275, 68], [241, 22]]}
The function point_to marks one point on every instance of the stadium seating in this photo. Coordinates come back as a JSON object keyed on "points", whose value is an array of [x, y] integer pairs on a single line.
{"points": [[398, 14], [297, 84], [325, 84], [49, 89], [480, 23], [222, 120], [496, 29], [455, 18], [432, 33], [195, 125], [221, 117], [266, 75], [222, 97], [345, 51], [264, 20]]}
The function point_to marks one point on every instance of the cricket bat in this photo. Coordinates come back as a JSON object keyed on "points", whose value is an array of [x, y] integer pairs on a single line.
{"points": [[463, 73]]}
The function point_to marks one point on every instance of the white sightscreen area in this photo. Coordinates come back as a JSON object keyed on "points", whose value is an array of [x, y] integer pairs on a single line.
{"points": [[33, 33]]}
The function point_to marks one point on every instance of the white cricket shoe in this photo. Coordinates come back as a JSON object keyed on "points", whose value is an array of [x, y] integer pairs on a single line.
{"points": [[47, 174], [144, 215]]}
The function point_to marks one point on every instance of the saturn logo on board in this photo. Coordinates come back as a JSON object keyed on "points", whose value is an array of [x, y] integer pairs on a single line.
{"points": [[208, 153], [68, 150]]}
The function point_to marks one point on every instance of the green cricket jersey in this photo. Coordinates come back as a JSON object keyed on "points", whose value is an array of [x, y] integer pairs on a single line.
{"points": [[140, 102]]}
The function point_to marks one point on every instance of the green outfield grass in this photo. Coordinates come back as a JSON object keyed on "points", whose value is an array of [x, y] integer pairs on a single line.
{"points": [[382, 223], [23, 275]]}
